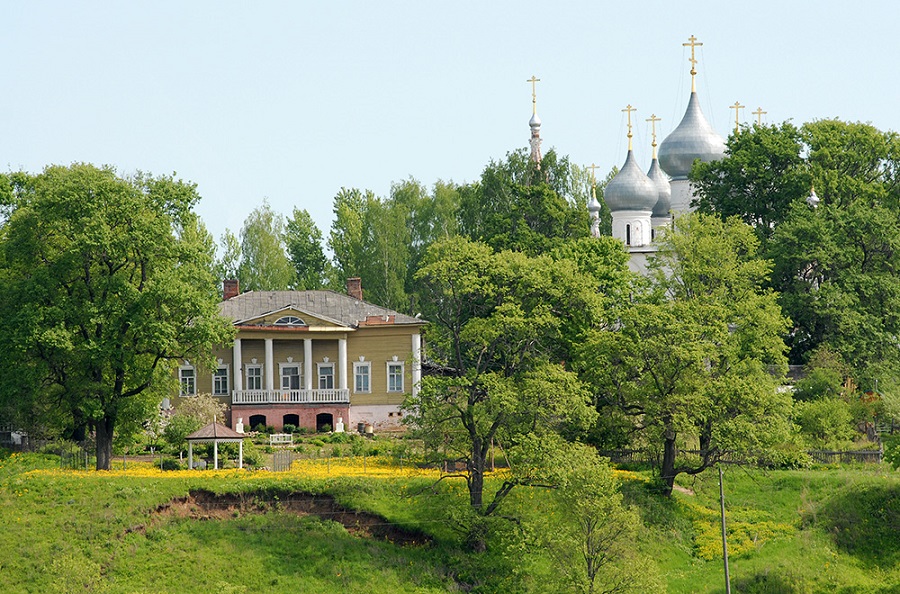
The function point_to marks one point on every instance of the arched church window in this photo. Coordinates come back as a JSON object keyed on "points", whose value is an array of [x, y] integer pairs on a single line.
{"points": [[627, 234]]}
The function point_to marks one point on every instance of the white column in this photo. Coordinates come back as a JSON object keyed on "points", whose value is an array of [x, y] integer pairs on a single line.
{"points": [[342, 363], [190, 455], [238, 374], [270, 365], [215, 455], [416, 363], [307, 364], [241, 454]]}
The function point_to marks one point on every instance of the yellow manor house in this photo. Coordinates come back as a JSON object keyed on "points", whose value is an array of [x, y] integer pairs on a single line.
{"points": [[311, 359]]}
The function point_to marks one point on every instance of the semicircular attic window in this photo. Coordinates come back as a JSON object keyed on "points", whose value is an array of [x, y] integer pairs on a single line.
{"points": [[289, 321]]}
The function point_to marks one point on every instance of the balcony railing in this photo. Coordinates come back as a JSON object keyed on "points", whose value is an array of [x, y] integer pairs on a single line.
{"points": [[326, 396]]}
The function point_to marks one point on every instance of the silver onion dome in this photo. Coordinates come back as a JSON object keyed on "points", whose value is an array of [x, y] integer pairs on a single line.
{"points": [[535, 121], [656, 175], [631, 189], [693, 139]]}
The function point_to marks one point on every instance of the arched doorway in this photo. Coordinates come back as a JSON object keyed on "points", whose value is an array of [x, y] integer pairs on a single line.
{"points": [[256, 420], [323, 420], [290, 420]]}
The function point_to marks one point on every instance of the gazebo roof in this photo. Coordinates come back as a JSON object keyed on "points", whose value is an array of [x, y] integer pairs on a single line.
{"points": [[215, 432]]}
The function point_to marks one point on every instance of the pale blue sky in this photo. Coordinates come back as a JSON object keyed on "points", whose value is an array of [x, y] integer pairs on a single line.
{"points": [[290, 101]]}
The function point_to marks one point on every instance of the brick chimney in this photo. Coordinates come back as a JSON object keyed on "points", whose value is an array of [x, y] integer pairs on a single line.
{"points": [[230, 288], [354, 288]]}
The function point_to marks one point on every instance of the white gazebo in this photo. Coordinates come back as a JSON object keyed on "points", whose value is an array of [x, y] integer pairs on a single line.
{"points": [[215, 434]]}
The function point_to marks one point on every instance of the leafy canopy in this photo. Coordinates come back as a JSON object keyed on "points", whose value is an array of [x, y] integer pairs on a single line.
{"points": [[107, 282]]}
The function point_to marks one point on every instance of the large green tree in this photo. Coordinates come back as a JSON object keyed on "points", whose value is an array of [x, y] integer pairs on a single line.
{"points": [[370, 238], [107, 281], [303, 240], [501, 328], [762, 175], [519, 206], [265, 265], [692, 362]]}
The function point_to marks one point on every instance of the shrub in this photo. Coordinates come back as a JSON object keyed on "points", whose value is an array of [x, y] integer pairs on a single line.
{"points": [[289, 428], [326, 428], [170, 464], [824, 421], [61, 447], [252, 455], [340, 438], [358, 447], [892, 450]]}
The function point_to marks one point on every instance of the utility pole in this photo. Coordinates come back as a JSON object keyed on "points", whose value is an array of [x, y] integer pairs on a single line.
{"points": [[724, 541]]}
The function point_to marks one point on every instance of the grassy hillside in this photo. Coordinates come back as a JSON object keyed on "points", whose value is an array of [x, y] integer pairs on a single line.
{"points": [[141, 530]]}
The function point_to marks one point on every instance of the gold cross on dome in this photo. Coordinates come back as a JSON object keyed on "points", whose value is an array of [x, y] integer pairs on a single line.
{"points": [[759, 114], [692, 41], [737, 107], [593, 169], [533, 80], [653, 119], [628, 109]]}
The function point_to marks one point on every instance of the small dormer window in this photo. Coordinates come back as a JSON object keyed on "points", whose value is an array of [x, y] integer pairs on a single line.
{"points": [[289, 321]]}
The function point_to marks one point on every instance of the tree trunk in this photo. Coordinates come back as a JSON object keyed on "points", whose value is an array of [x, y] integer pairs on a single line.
{"points": [[667, 472], [104, 442], [476, 477], [476, 537], [79, 426]]}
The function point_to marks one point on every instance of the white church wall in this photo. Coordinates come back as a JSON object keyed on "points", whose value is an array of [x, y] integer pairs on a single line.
{"points": [[633, 224], [682, 194]]}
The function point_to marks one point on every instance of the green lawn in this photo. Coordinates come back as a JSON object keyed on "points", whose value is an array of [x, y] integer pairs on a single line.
{"points": [[827, 530]]}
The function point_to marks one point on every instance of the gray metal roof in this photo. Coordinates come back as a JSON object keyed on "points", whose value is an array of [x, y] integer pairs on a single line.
{"points": [[630, 189], [665, 190], [214, 432], [693, 139], [328, 305]]}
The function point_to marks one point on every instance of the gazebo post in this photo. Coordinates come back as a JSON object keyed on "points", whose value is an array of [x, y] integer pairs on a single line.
{"points": [[215, 454], [241, 454], [190, 455]]}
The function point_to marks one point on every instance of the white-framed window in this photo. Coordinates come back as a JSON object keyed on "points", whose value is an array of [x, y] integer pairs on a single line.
{"points": [[254, 377], [289, 321], [291, 376], [220, 381], [326, 376], [394, 376], [362, 376], [187, 377]]}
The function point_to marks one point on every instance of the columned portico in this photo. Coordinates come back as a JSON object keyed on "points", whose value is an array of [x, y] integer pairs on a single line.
{"points": [[279, 353]]}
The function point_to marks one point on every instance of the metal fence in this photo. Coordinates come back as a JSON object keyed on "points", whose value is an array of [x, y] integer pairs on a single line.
{"points": [[836, 457], [282, 460]]}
